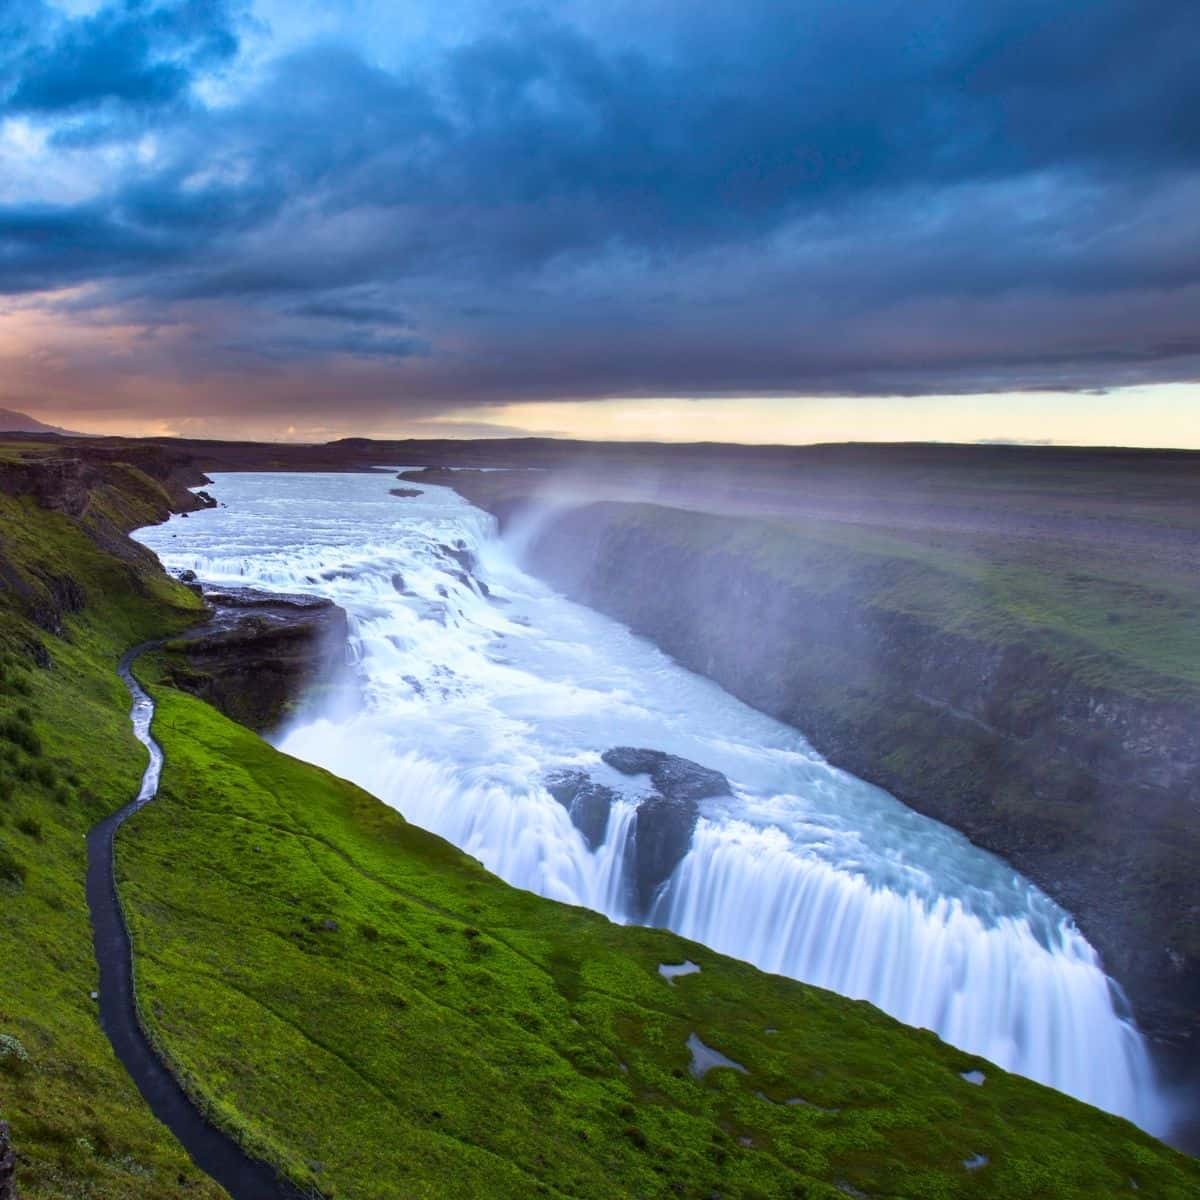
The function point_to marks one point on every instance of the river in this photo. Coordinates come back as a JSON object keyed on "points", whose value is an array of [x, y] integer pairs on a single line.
{"points": [[472, 686]]}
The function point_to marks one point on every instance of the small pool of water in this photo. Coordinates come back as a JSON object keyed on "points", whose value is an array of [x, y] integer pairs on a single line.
{"points": [[705, 1059], [670, 972]]}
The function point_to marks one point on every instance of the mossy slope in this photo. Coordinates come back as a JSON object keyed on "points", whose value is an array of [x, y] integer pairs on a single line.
{"points": [[67, 758], [369, 1007]]}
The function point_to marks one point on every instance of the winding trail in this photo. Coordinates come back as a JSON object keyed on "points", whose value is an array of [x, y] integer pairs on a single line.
{"points": [[214, 1152]]}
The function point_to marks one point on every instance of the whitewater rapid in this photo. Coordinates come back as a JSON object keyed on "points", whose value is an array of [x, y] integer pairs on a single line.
{"points": [[472, 685]]}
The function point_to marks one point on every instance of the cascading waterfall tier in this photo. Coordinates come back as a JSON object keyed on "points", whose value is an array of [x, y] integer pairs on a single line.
{"points": [[478, 685]]}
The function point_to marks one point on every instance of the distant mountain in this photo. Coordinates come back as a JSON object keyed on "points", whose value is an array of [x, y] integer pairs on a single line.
{"points": [[15, 422]]}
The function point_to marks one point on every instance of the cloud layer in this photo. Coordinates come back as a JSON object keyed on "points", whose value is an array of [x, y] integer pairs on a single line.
{"points": [[216, 204]]}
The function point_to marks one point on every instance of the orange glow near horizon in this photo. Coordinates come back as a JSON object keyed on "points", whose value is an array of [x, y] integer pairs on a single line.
{"points": [[1165, 415], [104, 376]]}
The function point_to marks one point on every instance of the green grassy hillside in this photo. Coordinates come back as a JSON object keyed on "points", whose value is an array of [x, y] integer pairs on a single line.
{"points": [[349, 991], [368, 1008], [1100, 618], [67, 758]]}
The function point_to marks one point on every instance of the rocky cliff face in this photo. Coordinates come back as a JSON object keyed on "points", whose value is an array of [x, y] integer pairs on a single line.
{"points": [[1092, 793], [260, 653], [73, 481], [8, 1165], [106, 494], [256, 655], [665, 819]]}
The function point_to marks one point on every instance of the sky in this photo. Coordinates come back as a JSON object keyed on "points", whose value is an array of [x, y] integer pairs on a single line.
{"points": [[747, 220]]}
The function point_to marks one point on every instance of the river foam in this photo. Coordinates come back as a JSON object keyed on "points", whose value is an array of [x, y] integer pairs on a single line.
{"points": [[475, 681]]}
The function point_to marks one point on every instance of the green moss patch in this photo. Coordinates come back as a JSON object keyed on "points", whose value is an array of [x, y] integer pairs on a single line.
{"points": [[67, 758], [367, 1006]]}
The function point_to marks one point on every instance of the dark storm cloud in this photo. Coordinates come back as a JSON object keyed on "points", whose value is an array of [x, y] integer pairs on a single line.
{"points": [[355, 312], [733, 198], [46, 245], [136, 54]]}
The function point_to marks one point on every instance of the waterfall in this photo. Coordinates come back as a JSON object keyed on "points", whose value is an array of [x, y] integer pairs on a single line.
{"points": [[1045, 1011], [477, 682]]}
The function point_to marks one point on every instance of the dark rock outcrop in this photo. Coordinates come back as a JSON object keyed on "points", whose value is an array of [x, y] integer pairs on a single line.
{"points": [[47, 598], [405, 493], [467, 565], [676, 778], [667, 817], [459, 553], [260, 654], [8, 1165], [662, 833], [65, 597], [588, 803]]}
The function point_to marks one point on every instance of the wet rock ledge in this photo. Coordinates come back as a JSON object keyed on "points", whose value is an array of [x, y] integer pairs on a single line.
{"points": [[666, 817], [8, 1166], [260, 655]]}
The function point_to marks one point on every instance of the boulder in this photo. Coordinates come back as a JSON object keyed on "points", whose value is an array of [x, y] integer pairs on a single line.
{"points": [[676, 778], [662, 833], [587, 802], [666, 819], [8, 1165]]}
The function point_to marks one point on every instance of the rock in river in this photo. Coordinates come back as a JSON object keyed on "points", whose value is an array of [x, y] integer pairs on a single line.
{"points": [[588, 803], [676, 778], [666, 818]]}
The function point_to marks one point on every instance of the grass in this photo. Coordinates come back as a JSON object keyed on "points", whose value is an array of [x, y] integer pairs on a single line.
{"points": [[1112, 623], [370, 1008], [67, 758], [16, 451]]}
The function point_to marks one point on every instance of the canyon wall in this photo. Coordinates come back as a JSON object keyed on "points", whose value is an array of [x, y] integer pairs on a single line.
{"points": [[1090, 789]]}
